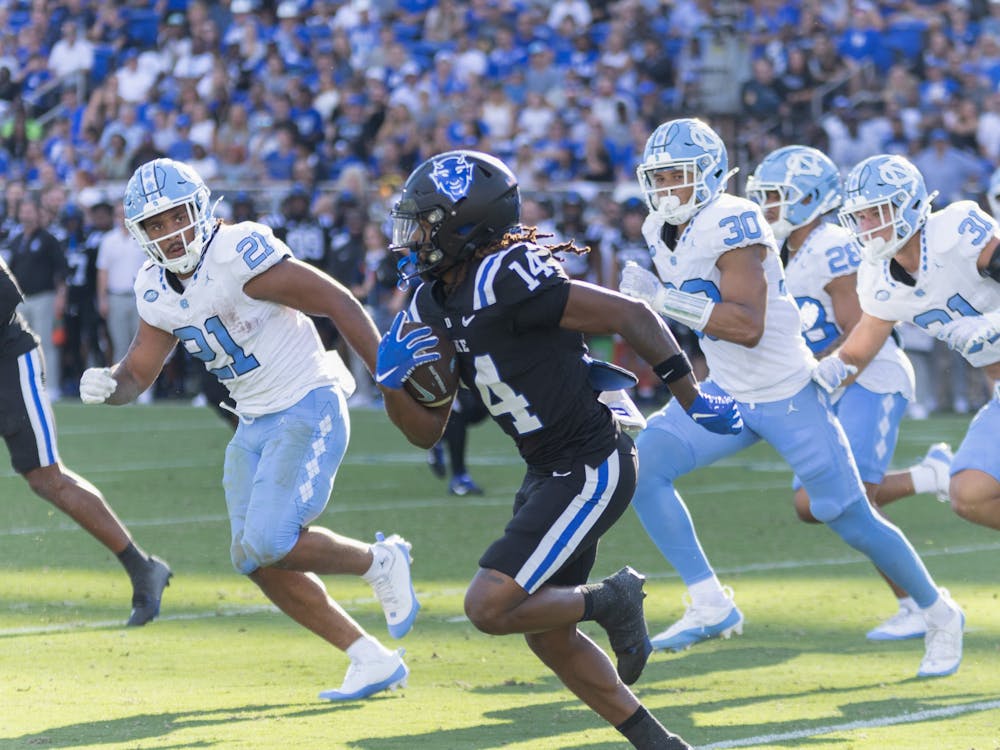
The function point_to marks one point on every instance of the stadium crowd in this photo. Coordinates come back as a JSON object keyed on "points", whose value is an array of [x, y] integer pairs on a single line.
{"points": [[310, 113]]}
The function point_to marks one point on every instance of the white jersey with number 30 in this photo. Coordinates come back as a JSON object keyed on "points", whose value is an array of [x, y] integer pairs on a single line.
{"points": [[268, 355], [780, 364], [948, 285]]}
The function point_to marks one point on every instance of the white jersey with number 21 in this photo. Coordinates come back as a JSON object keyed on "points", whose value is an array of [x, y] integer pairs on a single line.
{"points": [[268, 355]]}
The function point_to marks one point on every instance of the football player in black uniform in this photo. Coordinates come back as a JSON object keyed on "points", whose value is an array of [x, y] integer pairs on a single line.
{"points": [[517, 324], [29, 430]]}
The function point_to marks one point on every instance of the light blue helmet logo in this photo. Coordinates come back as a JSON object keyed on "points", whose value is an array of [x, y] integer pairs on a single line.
{"points": [[452, 176]]}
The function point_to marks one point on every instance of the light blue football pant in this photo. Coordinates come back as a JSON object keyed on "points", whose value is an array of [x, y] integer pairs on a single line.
{"points": [[805, 432], [279, 474], [979, 446], [871, 422]]}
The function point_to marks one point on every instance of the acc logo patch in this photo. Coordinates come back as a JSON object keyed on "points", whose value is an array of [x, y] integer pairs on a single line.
{"points": [[881, 295], [452, 176], [151, 295]]}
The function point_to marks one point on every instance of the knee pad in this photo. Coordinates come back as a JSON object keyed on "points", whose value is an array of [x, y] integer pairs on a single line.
{"points": [[261, 548]]}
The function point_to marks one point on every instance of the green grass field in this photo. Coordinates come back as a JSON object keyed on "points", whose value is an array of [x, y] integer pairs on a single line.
{"points": [[222, 669]]}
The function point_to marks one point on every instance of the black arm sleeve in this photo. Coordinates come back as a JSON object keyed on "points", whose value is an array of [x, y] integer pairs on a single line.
{"points": [[993, 267]]}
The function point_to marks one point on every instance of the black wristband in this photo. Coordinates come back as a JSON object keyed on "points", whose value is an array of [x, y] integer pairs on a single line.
{"points": [[673, 368]]}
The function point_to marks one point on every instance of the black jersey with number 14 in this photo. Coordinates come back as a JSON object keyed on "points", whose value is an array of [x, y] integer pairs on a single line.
{"points": [[503, 319]]}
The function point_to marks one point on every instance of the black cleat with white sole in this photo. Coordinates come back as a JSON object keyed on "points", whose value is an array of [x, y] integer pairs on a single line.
{"points": [[626, 624], [147, 590]]}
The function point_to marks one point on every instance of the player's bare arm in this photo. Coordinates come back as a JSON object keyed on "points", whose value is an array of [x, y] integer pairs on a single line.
{"points": [[142, 362], [423, 426], [865, 340], [846, 308], [592, 309], [300, 286], [739, 316]]}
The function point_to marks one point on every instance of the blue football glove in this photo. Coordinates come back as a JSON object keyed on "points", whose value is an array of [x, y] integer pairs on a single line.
{"points": [[400, 354], [718, 414]]}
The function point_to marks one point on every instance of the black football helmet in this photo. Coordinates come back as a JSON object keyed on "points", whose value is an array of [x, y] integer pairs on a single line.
{"points": [[452, 205]]}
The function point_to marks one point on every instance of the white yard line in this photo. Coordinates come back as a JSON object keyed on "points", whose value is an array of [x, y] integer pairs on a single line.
{"points": [[885, 721]]}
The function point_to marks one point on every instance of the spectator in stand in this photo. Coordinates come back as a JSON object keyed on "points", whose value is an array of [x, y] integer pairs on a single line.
{"points": [[762, 96], [37, 261], [952, 173], [115, 162], [72, 54], [182, 147], [119, 259]]}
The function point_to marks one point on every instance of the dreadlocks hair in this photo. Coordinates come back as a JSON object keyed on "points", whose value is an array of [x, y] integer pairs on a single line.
{"points": [[528, 234], [513, 237]]}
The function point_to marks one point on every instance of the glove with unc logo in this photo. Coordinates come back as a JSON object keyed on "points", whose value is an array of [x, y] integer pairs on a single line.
{"points": [[965, 333], [693, 310], [96, 385], [641, 284], [399, 354], [718, 414], [831, 372]]}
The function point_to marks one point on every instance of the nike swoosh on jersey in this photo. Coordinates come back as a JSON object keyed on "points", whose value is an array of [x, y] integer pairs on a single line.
{"points": [[467, 320], [561, 473]]}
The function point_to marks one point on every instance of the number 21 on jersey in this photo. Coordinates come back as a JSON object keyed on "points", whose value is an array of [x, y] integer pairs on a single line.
{"points": [[241, 363]]}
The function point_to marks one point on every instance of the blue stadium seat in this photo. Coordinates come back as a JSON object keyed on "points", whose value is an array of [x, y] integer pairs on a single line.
{"points": [[142, 27], [104, 56]]}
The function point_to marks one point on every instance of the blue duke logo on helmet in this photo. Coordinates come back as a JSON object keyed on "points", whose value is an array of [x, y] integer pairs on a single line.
{"points": [[452, 176]]}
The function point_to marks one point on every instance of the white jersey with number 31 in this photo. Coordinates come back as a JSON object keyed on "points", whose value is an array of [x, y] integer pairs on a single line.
{"points": [[948, 285], [781, 363], [268, 355]]}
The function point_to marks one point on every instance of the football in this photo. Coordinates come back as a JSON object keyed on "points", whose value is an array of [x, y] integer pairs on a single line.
{"points": [[433, 383]]}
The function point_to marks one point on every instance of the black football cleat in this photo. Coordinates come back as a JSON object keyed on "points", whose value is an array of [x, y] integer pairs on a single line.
{"points": [[626, 624], [435, 461], [147, 590]]}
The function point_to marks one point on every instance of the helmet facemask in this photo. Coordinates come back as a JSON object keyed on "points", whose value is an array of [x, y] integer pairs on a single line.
{"points": [[891, 215], [198, 218], [763, 193], [413, 239], [663, 201]]}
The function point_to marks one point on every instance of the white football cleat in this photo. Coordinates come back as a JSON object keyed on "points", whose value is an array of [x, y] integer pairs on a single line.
{"points": [[393, 584], [367, 678], [938, 460], [943, 645], [905, 624], [699, 624]]}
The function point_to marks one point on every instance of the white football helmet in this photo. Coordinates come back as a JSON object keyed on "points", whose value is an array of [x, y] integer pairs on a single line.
{"points": [[693, 146], [807, 183], [896, 188], [158, 186]]}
